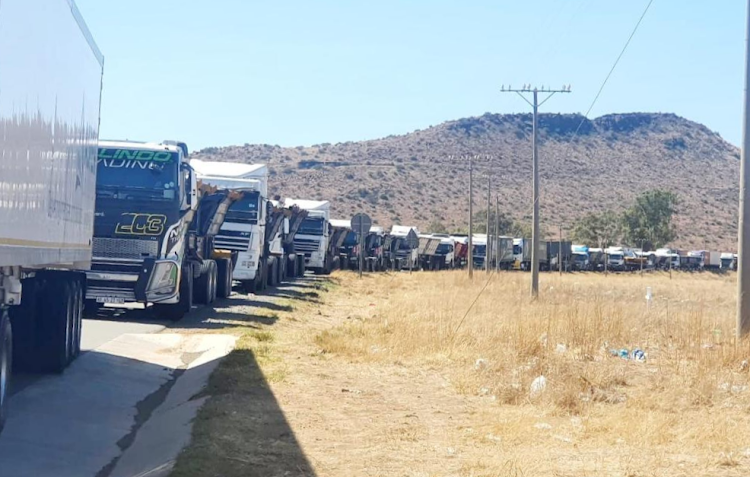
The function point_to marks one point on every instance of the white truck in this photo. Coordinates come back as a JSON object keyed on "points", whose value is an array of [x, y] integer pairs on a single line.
{"points": [[50, 85], [313, 237], [244, 229]]}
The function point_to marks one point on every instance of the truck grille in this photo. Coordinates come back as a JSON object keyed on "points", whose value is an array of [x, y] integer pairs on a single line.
{"points": [[124, 248], [302, 245], [232, 240]]}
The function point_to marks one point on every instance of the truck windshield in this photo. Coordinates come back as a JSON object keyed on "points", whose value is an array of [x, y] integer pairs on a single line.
{"points": [[137, 174], [351, 239], [615, 256], [579, 257], [444, 249], [245, 210], [312, 226]]}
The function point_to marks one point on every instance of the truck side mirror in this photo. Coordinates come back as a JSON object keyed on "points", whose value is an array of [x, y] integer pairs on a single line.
{"points": [[190, 185]]}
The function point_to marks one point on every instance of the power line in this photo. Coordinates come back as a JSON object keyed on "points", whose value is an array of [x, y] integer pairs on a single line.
{"points": [[612, 70]]}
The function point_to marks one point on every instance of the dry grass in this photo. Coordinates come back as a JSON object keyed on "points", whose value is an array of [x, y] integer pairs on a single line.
{"points": [[685, 408]]}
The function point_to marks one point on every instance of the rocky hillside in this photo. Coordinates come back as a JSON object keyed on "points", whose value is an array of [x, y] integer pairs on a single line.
{"points": [[585, 165]]}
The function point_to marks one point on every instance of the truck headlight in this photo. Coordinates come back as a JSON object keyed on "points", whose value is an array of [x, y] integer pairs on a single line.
{"points": [[164, 280]]}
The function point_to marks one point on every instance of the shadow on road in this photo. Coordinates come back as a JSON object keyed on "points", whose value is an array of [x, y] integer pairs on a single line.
{"points": [[125, 410]]}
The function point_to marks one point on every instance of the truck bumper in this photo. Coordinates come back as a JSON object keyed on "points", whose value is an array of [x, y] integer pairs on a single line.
{"points": [[246, 268], [149, 281]]}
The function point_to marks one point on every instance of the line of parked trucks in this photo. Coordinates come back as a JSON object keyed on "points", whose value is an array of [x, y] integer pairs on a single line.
{"points": [[86, 222]]}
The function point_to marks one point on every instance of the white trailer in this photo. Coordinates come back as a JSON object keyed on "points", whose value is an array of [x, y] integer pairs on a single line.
{"points": [[50, 90]]}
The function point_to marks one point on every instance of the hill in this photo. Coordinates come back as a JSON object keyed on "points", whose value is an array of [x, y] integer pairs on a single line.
{"points": [[585, 166]]}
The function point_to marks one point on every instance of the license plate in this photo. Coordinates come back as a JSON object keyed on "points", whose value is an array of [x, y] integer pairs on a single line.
{"points": [[110, 299]]}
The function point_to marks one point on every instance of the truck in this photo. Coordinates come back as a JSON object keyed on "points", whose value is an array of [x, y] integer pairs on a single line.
{"points": [[728, 261], [244, 230], [559, 254], [431, 256], [615, 257], [479, 252], [348, 252], [313, 239], [664, 259], [580, 258], [710, 260], [51, 82], [404, 257], [281, 229], [155, 231], [522, 254], [350, 249]]}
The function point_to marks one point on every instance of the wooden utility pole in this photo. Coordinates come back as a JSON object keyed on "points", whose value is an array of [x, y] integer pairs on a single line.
{"points": [[535, 104], [497, 233], [743, 239], [559, 252], [470, 253], [488, 247]]}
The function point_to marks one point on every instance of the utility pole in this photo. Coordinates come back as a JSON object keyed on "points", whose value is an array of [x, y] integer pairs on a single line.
{"points": [[497, 233], [559, 252], [743, 240], [488, 247], [535, 104], [470, 253]]}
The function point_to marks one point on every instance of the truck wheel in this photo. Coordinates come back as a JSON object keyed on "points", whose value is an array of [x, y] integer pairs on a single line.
{"points": [[6, 365], [214, 281], [77, 332], [264, 278], [177, 311], [301, 266], [56, 325], [248, 286], [205, 285], [224, 278], [91, 308]]}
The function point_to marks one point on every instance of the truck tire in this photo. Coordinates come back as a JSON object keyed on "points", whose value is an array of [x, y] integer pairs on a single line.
{"points": [[301, 266], [264, 277], [6, 365], [248, 286], [205, 284], [224, 278], [177, 311], [55, 325], [91, 308], [77, 325]]}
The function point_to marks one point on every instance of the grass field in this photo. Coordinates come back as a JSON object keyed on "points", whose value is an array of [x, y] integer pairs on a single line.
{"points": [[468, 378]]}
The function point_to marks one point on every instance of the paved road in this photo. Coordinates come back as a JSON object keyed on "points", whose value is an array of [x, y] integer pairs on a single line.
{"points": [[110, 325]]}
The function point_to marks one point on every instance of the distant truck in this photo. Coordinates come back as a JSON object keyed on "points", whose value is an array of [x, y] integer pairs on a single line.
{"points": [[559, 254], [313, 239], [50, 85], [522, 254], [729, 261], [580, 258], [615, 257]]}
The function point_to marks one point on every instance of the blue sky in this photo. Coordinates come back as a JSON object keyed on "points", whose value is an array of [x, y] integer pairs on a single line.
{"points": [[307, 72]]}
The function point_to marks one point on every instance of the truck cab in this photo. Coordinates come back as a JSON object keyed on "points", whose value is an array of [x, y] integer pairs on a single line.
{"points": [[479, 254], [615, 257], [243, 230], [146, 247], [312, 238]]}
